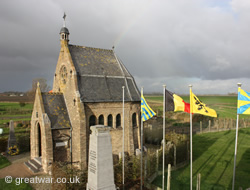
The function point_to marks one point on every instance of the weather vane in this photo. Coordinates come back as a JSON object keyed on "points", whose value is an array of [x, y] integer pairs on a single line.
{"points": [[64, 17]]}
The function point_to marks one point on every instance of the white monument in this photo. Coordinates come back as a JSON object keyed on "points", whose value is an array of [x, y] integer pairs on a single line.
{"points": [[100, 167]]}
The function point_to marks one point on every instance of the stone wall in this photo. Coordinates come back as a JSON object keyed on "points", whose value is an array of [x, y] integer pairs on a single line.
{"points": [[40, 122], [73, 103], [61, 145], [116, 139], [115, 108]]}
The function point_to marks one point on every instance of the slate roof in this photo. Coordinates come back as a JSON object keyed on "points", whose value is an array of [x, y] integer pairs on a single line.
{"points": [[55, 107], [101, 75]]}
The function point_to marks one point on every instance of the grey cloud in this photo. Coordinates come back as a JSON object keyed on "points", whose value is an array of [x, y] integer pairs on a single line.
{"points": [[173, 42]]}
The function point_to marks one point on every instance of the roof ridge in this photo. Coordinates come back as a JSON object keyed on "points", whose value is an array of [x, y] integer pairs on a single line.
{"points": [[90, 47]]}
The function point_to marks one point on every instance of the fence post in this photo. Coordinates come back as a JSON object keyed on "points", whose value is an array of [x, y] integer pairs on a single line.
{"points": [[244, 123], [217, 123], [200, 126], [198, 185], [145, 166], [174, 155], [209, 125], [169, 176], [157, 160]]}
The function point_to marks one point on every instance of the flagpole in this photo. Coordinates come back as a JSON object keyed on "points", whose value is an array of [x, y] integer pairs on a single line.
{"points": [[123, 138], [191, 140], [163, 149], [236, 138], [141, 139]]}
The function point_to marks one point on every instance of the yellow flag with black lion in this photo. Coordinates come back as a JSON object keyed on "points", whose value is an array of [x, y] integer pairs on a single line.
{"points": [[197, 106]]}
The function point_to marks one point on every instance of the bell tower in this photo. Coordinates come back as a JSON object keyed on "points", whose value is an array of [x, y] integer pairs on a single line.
{"points": [[64, 33]]}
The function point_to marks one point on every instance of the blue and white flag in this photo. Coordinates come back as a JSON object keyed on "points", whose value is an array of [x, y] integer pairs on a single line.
{"points": [[243, 102], [146, 111]]}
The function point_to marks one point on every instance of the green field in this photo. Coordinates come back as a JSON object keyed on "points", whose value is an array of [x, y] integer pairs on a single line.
{"points": [[13, 111], [225, 106], [15, 105], [213, 157]]}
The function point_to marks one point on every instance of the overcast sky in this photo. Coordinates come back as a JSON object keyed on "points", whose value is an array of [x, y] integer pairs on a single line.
{"points": [[205, 43]]}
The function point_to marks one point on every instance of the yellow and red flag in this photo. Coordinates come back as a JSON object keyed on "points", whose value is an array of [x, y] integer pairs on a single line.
{"points": [[175, 103]]}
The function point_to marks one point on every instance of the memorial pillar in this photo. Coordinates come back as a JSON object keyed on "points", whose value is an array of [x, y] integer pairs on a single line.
{"points": [[100, 166]]}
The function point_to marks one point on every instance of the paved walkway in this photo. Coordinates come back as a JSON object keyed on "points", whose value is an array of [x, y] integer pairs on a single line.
{"points": [[17, 168]]}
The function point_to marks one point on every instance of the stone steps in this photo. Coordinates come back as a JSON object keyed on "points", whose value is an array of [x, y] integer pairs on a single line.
{"points": [[34, 165], [38, 160]]}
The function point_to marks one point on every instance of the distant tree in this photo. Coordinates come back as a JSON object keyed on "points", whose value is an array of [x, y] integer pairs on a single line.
{"points": [[43, 86]]}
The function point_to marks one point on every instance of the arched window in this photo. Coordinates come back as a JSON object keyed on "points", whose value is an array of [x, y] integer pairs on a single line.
{"points": [[110, 120], [118, 121], [92, 120], [134, 123], [101, 120]]}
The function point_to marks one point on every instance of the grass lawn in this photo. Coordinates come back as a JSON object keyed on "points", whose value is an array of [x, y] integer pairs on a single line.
{"points": [[17, 130], [16, 115], [4, 162], [2, 122], [14, 105], [8, 110], [213, 157], [13, 186], [13, 111]]}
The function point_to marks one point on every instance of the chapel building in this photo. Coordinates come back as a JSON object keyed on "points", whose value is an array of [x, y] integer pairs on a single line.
{"points": [[87, 90]]}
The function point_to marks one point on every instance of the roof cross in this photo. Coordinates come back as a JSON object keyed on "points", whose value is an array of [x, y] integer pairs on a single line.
{"points": [[64, 17]]}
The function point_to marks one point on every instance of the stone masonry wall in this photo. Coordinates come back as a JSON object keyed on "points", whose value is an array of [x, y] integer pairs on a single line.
{"points": [[73, 103], [40, 120], [115, 108], [61, 153]]}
